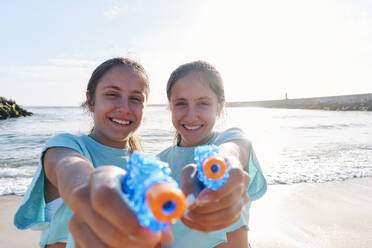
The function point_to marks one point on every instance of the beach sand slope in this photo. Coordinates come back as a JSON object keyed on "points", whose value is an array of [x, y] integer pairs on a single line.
{"points": [[10, 236], [309, 215]]}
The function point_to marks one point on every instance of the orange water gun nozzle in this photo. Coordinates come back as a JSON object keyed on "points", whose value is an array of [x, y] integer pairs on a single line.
{"points": [[214, 168], [166, 202]]}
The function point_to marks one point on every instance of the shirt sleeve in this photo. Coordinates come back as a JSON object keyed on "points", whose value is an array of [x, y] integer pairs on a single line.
{"points": [[32, 209], [258, 185], [229, 135]]}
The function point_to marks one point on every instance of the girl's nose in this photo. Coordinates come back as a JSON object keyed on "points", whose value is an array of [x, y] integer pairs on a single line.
{"points": [[123, 105], [191, 114]]}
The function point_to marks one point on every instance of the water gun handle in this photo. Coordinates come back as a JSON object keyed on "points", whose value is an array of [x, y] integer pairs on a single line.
{"points": [[211, 166]]}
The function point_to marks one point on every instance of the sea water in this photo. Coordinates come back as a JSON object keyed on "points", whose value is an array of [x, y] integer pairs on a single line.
{"points": [[293, 146]]}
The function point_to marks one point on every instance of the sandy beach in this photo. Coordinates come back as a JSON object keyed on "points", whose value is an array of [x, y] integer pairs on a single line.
{"points": [[329, 215], [10, 236]]}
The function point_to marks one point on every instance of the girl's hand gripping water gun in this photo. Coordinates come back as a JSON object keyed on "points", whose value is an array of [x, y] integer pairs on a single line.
{"points": [[151, 192], [212, 169]]}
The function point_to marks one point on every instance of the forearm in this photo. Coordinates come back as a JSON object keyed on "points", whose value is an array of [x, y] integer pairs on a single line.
{"points": [[66, 170], [236, 151]]}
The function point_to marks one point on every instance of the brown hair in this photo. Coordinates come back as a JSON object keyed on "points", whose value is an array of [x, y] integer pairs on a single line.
{"points": [[102, 69], [208, 72]]}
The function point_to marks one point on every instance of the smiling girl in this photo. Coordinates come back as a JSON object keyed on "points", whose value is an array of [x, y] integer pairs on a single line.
{"points": [[217, 218], [77, 183]]}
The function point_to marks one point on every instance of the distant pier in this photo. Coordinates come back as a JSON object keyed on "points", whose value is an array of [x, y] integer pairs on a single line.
{"points": [[359, 102]]}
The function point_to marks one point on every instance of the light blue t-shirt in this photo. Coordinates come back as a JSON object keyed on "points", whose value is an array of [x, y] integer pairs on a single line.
{"points": [[178, 157], [31, 213]]}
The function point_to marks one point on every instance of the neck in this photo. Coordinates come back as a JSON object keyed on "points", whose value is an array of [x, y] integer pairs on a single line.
{"points": [[107, 142]]}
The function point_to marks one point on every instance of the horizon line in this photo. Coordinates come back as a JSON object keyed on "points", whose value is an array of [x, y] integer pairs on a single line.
{"points": [[229, 102]]}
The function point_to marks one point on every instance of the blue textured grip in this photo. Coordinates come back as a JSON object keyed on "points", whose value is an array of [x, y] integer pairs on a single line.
{"points": [[201, 153], [143, 171]]}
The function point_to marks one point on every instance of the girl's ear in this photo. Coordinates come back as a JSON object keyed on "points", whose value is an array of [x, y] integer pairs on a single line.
{"points": [[90, 102], [220, 107]]}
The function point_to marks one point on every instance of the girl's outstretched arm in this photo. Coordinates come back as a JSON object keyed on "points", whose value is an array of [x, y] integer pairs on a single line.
{"points": [[101, 218], [237, 151], [216, 210]]}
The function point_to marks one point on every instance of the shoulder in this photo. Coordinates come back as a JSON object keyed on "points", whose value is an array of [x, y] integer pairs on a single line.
{"points": [[230, 134], [165, 154], [62, 137], [66, 140]]}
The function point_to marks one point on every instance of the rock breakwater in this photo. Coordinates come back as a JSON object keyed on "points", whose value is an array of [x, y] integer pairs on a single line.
{"points": [[9, 109]]}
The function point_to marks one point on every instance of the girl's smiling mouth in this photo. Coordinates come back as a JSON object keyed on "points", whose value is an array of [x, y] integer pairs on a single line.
{"points": [[120, 122], [192, 128]]}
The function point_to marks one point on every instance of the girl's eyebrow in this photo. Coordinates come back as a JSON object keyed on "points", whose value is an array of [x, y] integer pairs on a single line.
{"points": [[138, 92], [204, 98], [180, 99], [200, 98], [118, 88], [112, 86]]}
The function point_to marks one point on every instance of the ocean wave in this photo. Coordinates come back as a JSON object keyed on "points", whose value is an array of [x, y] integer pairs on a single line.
{"points": [[25, 172], [12, 186], [311, 179], [335, 126]]}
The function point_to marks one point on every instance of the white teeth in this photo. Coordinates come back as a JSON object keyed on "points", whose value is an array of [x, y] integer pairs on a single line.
{"points": [[191, 127], [121, 122]]}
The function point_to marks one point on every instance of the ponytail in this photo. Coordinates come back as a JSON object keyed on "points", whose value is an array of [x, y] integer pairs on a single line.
{"points": [[134, 144], [177, 138]]}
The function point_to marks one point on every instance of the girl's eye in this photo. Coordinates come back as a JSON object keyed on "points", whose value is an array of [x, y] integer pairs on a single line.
{"points": [[180, 104], [204, 103], [136, 99], [111, 94]]}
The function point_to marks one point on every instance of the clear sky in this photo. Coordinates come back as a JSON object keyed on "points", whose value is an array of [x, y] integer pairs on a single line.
{"points": [[263, 49]]}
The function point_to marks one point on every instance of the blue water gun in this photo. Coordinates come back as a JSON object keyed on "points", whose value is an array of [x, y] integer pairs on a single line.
{"points": [[212, 169], [151, 192]]}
